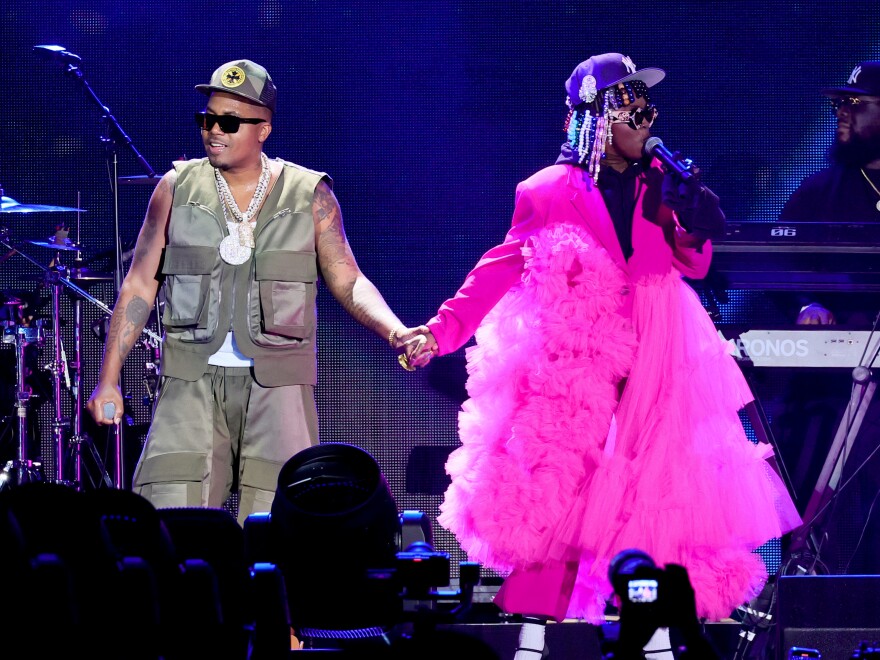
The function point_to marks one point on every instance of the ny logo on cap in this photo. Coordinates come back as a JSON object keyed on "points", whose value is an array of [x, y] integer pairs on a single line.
{"points": [[628, 63], [854, 76]]}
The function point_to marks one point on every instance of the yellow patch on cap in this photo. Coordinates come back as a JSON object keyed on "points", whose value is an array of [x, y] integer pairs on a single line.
{"points": [[232, 77]]}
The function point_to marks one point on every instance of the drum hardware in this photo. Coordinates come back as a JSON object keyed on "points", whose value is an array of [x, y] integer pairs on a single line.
{"points": [[88, 275], [79, 440], [152, 373], [151, 383], [72, 449], [58, 277], [22, 469], [57, 368]]}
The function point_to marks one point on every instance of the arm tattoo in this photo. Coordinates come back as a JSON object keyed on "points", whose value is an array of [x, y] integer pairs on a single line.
{"points": [[126, 325], [146, 239], [149, 231], [323, 203], [340, 271], [333, 247]]}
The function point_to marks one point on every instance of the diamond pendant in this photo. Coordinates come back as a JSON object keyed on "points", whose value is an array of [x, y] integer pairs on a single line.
{"points": [[233, 252], [877, 205]]}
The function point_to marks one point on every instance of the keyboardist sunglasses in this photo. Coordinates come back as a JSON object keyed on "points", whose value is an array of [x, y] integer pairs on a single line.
{"points": [[851, 102]]}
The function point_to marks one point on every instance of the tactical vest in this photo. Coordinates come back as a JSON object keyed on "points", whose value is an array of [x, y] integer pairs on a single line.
{"points": [[268, 301]]}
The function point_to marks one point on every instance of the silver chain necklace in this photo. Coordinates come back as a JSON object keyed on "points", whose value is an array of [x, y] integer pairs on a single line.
{"points": [[236, 248]]}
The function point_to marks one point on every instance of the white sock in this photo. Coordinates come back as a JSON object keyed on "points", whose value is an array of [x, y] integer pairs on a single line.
{"points": [[531, 640], [659, 647]]}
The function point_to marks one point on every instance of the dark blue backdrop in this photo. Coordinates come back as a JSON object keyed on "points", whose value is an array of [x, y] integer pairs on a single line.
{"points": [[426, 115]]}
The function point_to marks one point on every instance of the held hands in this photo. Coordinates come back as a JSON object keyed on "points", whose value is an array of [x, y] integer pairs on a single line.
{"points": [[415, 346]]}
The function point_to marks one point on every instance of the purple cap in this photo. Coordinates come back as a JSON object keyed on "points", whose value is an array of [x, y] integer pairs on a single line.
{"points": [[602, 71], [864, 79]]}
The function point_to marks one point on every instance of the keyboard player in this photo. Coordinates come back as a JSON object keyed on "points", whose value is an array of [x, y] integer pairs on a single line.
{"points": [[848, 190]]}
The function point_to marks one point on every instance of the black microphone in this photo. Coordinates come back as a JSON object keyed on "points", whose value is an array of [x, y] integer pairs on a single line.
{"points": [[654, 147], [57, 54]]}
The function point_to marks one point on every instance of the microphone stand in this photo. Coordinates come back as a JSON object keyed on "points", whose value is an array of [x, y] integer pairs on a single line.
{"points": [[112, 137]]}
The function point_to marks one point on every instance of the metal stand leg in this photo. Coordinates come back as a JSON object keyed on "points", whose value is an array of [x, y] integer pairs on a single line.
{"points": [[22, 469], [826, 485], [58, 369], [79, 439]]}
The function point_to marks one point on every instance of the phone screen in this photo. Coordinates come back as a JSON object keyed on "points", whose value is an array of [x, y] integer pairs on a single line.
{"points": [[642, 591]]}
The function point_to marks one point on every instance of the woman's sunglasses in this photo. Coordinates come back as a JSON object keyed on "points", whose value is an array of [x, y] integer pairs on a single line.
{"points": [[635, 118]]}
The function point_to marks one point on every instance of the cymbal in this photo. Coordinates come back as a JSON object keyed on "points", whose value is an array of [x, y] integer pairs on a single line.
{"points": [[9, 205], [56, 244]]}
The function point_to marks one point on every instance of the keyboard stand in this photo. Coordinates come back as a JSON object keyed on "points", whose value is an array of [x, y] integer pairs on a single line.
{"points": [[806, 537]]}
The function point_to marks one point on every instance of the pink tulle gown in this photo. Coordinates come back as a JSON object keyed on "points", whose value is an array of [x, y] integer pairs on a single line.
{"points": [[588, 432]]}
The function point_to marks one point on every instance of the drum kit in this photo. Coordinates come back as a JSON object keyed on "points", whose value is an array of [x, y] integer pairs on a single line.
{"points": [[21, 330]]}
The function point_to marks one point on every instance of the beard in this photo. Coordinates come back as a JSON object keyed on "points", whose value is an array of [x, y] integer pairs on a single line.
{"points": [[858, 152]]}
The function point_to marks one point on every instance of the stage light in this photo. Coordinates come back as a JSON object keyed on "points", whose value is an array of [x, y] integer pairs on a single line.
{"points": [[333, 519]]}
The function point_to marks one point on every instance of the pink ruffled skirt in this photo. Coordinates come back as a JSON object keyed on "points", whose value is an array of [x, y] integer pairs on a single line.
{"points": [[556, 466]]}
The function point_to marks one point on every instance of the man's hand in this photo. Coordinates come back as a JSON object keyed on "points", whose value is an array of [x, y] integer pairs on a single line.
{"points": [[105, 394]]}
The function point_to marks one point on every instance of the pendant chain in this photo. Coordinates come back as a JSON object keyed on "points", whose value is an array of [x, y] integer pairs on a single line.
{"points": [[230, 207], [873, 187]]}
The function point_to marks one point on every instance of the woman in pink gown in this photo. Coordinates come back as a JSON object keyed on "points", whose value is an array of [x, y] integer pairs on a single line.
{"points": [[603, 409]]}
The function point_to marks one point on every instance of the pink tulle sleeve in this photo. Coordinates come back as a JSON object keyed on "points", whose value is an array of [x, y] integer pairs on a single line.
{"points": [[498, 270]]}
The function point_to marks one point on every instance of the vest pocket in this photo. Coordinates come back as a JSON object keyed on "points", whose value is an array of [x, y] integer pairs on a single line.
{"points": [[281, 306], [189, 313]]}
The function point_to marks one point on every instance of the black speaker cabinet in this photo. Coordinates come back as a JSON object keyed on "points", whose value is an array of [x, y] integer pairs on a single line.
{"points": [[831, 613]]}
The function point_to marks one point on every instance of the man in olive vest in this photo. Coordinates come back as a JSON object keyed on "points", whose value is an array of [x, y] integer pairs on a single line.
{"points": [[239, 240]]}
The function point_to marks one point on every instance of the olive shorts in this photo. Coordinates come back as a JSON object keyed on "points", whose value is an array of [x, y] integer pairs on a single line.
{"points": [[223, 432]]}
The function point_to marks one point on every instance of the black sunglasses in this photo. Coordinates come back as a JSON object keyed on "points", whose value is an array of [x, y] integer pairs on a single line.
{"points": [[852, 102], [228, 123]]}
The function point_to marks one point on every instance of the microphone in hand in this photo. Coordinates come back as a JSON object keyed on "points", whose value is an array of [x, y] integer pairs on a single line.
{"points": [[673, 163], [681, 185], [695, 206]]}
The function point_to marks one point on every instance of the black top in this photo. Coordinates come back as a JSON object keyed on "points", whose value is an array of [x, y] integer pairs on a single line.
{"points": [[836, 194], [619, 192]]}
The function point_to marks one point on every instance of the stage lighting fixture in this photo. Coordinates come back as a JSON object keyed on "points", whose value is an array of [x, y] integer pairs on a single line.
{"points": [[333, 519]]}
